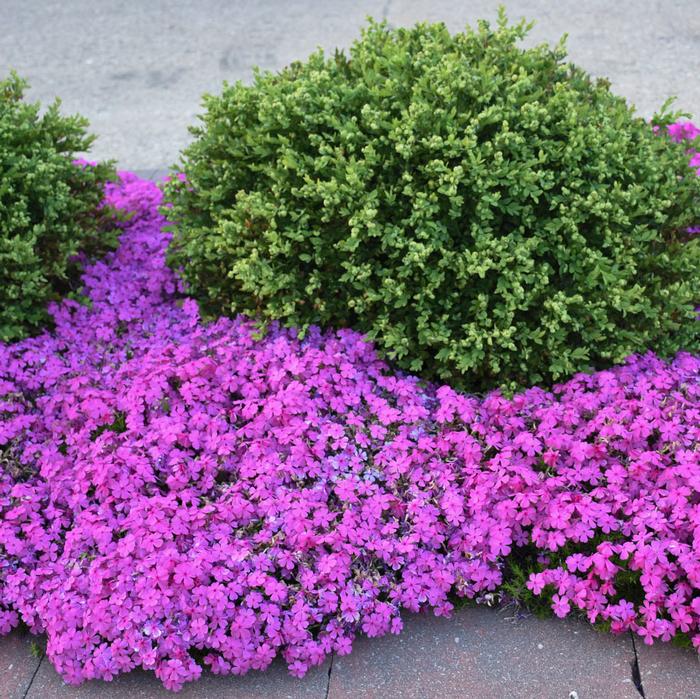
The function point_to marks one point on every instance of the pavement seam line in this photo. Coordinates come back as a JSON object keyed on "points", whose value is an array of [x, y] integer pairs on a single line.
{"points": [[31, 681], [330, 669], [636, 673]]}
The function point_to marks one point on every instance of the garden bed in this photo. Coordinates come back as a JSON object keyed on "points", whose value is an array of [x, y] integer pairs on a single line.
{"points": [[176, 494]]}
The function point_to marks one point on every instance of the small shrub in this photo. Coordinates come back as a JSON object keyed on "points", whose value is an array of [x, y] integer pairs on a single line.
{"points": [[488, 215], [48, 207]]}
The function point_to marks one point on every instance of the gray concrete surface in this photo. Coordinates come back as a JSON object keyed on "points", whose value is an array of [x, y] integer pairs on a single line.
{"points": [[274, 683], [138, 69], [479, 653], [668, 671], [18, 664]]}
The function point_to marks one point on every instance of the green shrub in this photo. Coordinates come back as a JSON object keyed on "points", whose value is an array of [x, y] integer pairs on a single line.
{"points": [[48, 207], [488, 215]]}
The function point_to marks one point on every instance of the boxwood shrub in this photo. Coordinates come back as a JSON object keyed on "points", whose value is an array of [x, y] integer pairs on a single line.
{"points": [[487, 214], [48, 207]]}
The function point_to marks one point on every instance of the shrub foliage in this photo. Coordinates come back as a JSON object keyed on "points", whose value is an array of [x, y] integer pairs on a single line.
{"points": [[48, 207], [487, 214]]}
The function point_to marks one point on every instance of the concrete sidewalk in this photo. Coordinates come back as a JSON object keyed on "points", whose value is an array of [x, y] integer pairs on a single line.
{"points": [[479, 653], [137, 70]]}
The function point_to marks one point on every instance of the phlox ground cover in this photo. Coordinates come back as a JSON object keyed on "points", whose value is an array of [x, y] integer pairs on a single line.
{"points": [[687, 131], [177, 494]]}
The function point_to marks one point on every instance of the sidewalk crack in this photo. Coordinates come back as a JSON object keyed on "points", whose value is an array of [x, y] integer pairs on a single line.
{"points": [[636, 673], [31, 681], [330, 669]]}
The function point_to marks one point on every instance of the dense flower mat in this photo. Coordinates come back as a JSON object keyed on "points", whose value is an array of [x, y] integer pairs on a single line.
{"points": [[687, 131], [175, 494]]}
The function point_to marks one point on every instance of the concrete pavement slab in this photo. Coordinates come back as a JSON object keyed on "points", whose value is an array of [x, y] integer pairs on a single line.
{"points": [[24, 675], [17, 664], [137, 70], [481, 653], [668, 672], [274, 683]]}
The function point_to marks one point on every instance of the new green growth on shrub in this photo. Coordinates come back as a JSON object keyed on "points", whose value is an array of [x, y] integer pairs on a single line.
{"points": [[487, 214], [48, 207]]}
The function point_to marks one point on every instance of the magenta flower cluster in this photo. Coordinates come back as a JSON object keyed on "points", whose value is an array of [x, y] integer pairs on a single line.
{"points": [[687, 131], [176, 494]]}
